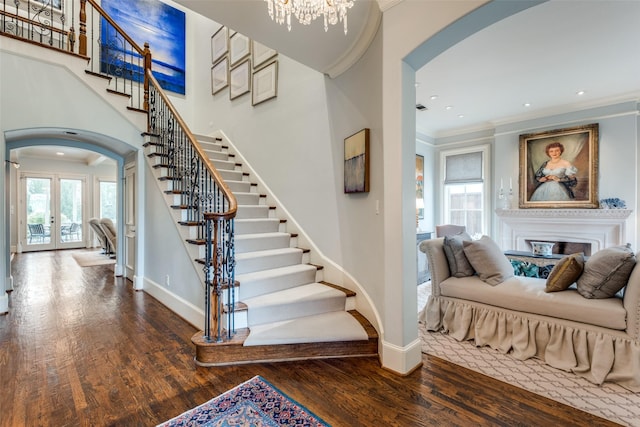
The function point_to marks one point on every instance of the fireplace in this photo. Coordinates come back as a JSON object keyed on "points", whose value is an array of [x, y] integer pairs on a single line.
{"points": [[594, 229], [564, 248]]}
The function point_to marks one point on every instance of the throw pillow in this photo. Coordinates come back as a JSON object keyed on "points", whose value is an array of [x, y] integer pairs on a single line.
{"points": [[606, 272], [458, 264], [565, 273], [487, 259]]}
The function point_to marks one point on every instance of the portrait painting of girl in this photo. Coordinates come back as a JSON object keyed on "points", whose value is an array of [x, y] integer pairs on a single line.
{"points": [[558, 169]]}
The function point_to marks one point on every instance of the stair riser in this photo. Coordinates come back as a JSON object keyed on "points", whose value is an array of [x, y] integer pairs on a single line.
{"points": [[216, 155], [248, 198], [252, 288], [255, 211], [261, 243], [233, 175], [239, 186], [224, 165], [212, 146], [257, 226], [248, 318], [263, 263]]}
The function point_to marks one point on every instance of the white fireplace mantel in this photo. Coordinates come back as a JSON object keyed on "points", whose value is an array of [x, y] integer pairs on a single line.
{"points": [[599, 227]]}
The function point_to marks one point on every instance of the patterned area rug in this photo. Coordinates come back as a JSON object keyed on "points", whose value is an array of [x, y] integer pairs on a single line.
{"points": [[252, 403], [608, 401]]}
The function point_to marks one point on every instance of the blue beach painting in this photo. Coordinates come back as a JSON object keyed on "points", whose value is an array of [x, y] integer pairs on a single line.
{"points": [[157, 23]]}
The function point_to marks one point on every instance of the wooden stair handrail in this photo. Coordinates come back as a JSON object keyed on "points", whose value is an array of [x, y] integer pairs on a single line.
{"points": [[106, 16], [233, 203]]}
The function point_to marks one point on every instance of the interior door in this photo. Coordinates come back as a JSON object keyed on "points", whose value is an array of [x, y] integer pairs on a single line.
{"points": [[52, 214]]}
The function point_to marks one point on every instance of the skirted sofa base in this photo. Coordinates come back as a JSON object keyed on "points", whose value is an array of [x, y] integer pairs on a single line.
{"points": [[597, 353]]}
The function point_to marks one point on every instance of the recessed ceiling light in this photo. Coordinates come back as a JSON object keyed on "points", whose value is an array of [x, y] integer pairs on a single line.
{"points": [[580, 92], [433, 97], [448, 107], [460, 116], [526, 104], [417, 84], [59, 153]]}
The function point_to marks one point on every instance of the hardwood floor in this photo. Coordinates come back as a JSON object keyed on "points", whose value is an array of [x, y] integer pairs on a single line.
{"points": [[81, 348]]}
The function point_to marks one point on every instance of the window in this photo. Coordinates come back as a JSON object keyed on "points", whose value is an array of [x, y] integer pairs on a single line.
{"points": [[464, 194], [108, 200]]}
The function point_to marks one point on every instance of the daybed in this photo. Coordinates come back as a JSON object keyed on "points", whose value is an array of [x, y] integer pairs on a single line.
{"points": [[598, 339]]}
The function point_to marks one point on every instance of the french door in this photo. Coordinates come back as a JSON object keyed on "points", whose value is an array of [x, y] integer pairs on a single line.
{"points": [[52, 212]]}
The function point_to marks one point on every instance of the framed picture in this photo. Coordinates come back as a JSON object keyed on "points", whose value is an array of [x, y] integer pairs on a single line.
{"points": [[260, 54], [240, 80], [219, 44], [559, 168], [220, 75], [356, 162], [420, 186], [153, 21], [264, 84], [239, 48]]}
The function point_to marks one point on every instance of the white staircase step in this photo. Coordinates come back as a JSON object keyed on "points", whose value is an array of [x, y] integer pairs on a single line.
{"points": [[247, 198], [300, 301], [216, 155], [252, 211], [232, 175], [223, 164], [326, 327], [256, 225], [239, 186], [265, 260], [276, 279], [261, 241], [210, 144]]}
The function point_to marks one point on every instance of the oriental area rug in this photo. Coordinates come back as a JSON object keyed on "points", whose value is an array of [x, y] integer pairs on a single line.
{"points": [[609, 401], [253, 403]]}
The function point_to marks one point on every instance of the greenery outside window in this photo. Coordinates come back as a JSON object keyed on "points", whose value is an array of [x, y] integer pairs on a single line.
{"points": [[465, 195]]}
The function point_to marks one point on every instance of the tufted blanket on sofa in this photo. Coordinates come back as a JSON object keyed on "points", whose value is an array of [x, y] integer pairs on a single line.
{"points": [[598, 339]]}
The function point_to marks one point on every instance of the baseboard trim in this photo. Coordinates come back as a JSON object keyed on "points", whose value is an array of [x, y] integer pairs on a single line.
{"points": [[401, 360], [189, 312]]}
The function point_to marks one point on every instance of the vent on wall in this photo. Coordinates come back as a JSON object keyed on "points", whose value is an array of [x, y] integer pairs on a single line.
{"points": [[421, 107]]}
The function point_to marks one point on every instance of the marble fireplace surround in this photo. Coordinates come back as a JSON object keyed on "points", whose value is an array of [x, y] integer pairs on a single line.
{"points": [[600, 228]]}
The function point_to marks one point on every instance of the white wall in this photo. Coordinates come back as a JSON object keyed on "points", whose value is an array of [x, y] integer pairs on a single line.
{"points": [[295, 143]]}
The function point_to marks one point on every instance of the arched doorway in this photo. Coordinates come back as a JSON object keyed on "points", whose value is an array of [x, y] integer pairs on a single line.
{"points": [[42, 140]]}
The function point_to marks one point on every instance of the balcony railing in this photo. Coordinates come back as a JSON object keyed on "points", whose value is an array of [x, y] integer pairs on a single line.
{"points": [[84, 29]]}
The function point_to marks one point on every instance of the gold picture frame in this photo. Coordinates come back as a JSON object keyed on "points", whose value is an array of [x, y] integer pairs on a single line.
{"points": [[559, 168]]}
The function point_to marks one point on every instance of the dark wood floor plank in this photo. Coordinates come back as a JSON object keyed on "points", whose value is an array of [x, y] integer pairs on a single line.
{"points": [[82, 348]]}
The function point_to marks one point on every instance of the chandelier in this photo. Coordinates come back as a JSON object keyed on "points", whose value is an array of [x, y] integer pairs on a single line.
{"points": [[308, 10]]}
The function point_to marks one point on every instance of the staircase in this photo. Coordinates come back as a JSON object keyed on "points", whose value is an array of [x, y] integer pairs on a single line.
{"points": [[284, 309]]}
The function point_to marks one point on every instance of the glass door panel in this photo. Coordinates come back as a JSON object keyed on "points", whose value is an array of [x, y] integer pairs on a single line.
{"points": [[39, 213], [71, 204]]}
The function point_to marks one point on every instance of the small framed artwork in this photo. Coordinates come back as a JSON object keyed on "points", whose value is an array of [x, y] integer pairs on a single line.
{"points": [[239, 48], [559, 168], [220, 75], [420, 186], [240, 80], [260, 54], [264, 84], [219, 44], [356, 162]]}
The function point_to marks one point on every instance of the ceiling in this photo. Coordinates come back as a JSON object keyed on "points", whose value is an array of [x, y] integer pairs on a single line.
{"points": [[542, 56]]}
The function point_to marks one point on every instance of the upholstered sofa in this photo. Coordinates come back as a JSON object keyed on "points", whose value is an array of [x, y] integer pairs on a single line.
{"points": [[598, 339]]}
